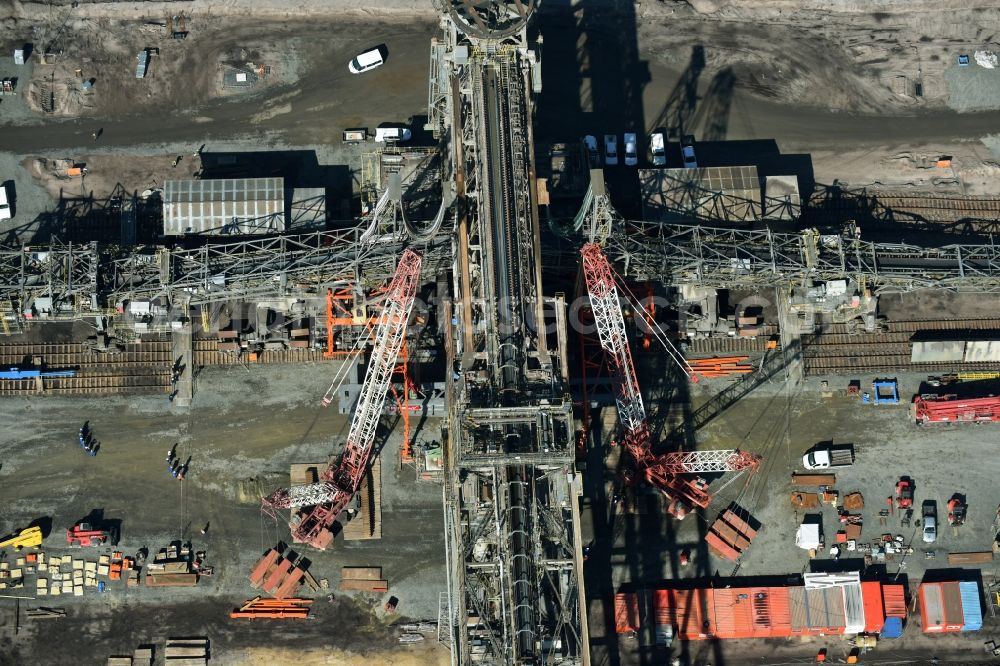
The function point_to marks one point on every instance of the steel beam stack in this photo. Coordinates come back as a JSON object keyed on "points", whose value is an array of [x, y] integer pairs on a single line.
{"points": [[511, 491]]}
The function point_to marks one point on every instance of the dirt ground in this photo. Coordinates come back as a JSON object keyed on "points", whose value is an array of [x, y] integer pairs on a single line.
{"points": [[780, 420], [243, 425], [867, 91]]}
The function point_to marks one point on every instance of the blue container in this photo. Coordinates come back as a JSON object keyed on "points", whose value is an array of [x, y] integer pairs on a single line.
{"points": [[893, 627], [972, 610], [100, 586]]}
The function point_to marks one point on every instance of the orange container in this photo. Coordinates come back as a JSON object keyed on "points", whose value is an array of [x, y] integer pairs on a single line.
{"points": [[894, 600], [871, 596], [626, 612]]}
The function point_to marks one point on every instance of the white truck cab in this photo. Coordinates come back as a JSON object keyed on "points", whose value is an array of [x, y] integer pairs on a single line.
{"points": [[5, 213]]}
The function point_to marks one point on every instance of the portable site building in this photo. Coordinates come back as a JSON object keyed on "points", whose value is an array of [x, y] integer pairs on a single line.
{"points": [[949, 607]]}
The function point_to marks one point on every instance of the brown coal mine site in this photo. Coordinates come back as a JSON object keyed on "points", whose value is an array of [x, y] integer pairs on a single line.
{"points": [[497, 333]]}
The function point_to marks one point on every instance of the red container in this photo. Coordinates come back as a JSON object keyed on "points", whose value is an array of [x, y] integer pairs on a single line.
{"points": [[626, 612], [894, 600], [871, 595], [685, 610], [751, 612]]}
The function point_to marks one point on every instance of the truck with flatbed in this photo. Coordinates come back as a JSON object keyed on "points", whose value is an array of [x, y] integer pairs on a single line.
{"points": [[826, 456]]}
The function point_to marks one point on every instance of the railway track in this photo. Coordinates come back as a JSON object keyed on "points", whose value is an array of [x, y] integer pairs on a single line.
{"points": [[139, 368], [889, 206], [835, 351]]}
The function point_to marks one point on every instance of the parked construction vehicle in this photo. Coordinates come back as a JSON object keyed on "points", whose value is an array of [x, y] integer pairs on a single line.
{"points": [[83, 534], [957, 509], [826, 456], [950, 409], [30, 537], [904, 492]]}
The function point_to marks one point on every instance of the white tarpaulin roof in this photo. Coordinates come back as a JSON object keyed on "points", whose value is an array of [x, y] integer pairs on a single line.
{"points": [[807, 536]]}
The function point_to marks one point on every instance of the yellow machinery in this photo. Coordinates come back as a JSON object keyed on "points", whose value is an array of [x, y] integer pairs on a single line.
{"points": [[26, 538]]}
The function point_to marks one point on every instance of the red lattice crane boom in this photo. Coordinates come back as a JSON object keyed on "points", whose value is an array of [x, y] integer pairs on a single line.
{"points": [[665, 471], [325, 500]]}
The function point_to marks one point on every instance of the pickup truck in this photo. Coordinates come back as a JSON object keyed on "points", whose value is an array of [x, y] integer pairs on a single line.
{"points": [[929, 512], [827, 456]]}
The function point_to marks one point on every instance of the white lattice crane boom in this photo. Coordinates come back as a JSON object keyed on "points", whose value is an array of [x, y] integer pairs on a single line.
{"points": [[664, 471], [340, 481]]}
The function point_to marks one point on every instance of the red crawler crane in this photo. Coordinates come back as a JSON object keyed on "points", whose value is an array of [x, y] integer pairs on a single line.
{"points": [[323, 502], [667, 471]]}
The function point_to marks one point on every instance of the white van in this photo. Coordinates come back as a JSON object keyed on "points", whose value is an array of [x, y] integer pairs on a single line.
{"points": [[365, 61], [4, 204], [392, 134]]}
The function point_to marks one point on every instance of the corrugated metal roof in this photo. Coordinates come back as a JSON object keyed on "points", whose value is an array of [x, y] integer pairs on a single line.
{"points": [[952, 595], [931, 607], [626, 612], [713, 193], [894, 600], [797, 608], [687, 610], [237, 206], [937, 351], [835, 612], [871, 594], [972, 610], [979, 351], [854, 609]]}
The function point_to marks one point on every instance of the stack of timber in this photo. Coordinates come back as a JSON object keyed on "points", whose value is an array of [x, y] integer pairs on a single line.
{"points": [[279, 576], [143, 656], [363, 579], [44, 613], [186, 651], [258, 608], [720, 366], [730, 536], [367, 522], [171, 567]]}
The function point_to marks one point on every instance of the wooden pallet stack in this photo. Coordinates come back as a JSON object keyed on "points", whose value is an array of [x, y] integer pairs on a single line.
{"points": [[363, 579], [171, 567], [186, 651], [730, 536], [259, 608]]}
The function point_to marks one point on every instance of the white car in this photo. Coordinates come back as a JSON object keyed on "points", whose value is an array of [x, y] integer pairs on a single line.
{"points": [[631, 152], [593, 155], [687, 154], [392, 134], [365, 61], [4, 204], [930, 529], [657, 149], [610, 149]]}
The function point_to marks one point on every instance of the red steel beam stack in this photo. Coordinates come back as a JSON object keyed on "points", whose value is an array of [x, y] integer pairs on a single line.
{"points": [[258, 608], [720, 366]]}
